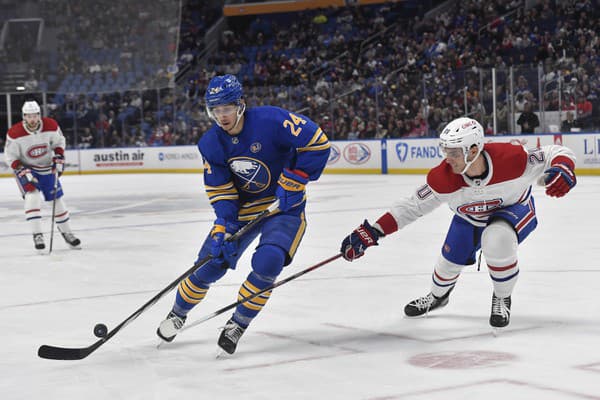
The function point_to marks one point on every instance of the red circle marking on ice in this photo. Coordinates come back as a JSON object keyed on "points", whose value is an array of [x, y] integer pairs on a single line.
{"points": [[460, 359]]}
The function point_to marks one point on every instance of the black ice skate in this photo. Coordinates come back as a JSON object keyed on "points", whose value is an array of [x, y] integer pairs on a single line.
{"points": [[423, 305], [38, 241], [71, 239], [230, 336], [168, 329], [500, 316]]}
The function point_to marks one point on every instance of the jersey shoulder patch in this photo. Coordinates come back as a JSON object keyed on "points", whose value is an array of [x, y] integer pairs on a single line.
{"points": [[16, 131], [509, 161], [442, 180], [49, 124]]}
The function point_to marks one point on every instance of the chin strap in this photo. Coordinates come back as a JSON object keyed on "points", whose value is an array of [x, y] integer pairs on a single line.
{"points": [[468, 163]]}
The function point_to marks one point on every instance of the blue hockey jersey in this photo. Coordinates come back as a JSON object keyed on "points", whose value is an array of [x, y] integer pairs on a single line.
{"points": [[241, 171]]}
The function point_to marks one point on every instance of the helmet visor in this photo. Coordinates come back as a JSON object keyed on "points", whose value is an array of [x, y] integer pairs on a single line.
{"points": [[452, 152]]}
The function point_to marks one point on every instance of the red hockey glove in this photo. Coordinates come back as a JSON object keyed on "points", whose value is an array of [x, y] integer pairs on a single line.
{"points": [[560, 178], [291, 189], [355, 244], [26, 179]]}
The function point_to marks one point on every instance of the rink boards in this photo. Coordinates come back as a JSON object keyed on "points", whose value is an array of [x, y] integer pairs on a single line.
{"points": [[393, 156]]}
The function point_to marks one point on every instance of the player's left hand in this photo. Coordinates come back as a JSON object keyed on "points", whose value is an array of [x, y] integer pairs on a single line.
{"points": [[560, 178], [223, 251], [58, 164], [355, 244], [291, 189]]}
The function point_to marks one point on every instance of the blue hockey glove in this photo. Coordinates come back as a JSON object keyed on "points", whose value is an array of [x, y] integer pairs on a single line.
{"points": [[58, 164], [26, 179], [291, 189], [224, 252], [355, 244], [560, 178]]}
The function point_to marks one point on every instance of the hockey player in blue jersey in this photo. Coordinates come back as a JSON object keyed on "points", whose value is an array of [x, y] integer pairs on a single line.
{"points": [[252, 157]]}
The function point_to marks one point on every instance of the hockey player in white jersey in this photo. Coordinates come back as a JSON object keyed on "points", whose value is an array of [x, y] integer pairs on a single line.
{"points": [[35, 150], [488, 187]]}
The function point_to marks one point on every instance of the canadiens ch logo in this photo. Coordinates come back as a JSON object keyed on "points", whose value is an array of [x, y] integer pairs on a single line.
{"points": [[37, 151], [480, 208], [251, 175]]}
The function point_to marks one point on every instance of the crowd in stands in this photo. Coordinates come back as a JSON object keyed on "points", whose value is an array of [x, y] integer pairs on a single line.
{"points": [[419, 73], [361, 72]]}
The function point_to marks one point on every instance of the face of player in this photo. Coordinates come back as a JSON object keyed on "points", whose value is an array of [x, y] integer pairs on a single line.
{"points": [[32, 121], [456, 158], [227, 117]]}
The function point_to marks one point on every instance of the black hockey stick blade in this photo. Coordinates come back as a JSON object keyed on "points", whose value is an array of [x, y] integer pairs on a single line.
{"points": [[65, 353]]}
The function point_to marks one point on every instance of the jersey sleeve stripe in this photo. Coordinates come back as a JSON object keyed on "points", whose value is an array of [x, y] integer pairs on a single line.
{"points": [[222, 192]]}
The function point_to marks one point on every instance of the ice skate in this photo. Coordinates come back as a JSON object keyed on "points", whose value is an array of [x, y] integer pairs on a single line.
{"points": [[500, 316], [38, 241], [168, 329], [230, 336], [71, 239], [424, 304]]}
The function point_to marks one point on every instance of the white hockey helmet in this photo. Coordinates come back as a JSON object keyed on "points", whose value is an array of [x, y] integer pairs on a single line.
{"points": [[463, 133], [30, 107]]}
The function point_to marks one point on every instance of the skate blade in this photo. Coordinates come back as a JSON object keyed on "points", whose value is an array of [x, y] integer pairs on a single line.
{"points": [[222, 354], [496, 332]]}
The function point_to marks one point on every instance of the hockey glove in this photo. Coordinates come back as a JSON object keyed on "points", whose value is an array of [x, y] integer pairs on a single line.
{"points": [[26, 179], [58, 164], [560, 178], [291, 189], [355, 244], [223, 252]]}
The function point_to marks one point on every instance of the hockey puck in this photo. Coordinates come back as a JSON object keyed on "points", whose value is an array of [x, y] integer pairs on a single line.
{"points": [[100, 330]]}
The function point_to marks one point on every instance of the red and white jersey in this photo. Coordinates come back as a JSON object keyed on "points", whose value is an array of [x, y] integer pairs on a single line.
{"points": [[512, 171], [34, 149]]}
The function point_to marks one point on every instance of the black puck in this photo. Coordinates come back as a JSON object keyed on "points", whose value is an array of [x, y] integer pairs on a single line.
{"points": [[100, 330]]}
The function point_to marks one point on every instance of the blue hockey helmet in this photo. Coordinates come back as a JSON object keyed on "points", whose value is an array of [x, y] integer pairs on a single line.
{"points": [[223, 89]]}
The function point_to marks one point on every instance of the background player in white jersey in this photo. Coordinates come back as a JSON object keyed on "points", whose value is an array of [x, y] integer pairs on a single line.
{"points": [[488, 187], [35, 150]]}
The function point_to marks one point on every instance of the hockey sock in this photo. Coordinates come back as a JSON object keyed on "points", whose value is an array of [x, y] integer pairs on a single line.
{"points": [[33, 214], [245, 312], [444, 277], [189, 293], [499, 245], [62, 216]]}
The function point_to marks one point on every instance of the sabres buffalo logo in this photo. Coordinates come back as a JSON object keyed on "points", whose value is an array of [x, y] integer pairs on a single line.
{"points": [[251, 175]]}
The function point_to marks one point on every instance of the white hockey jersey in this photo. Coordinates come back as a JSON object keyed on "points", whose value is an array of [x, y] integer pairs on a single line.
{"points": [[512, 171], [34, 150]]}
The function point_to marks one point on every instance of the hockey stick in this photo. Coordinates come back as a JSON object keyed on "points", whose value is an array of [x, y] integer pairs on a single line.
{"points": [[53, 211], [271, 287], [66, 353]]}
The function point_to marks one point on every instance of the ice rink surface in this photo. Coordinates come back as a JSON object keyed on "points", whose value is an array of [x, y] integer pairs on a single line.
{"points": [[337, 332]]}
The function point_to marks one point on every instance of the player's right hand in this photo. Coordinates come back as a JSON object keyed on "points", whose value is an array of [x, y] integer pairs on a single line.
{"points": [[224, 252], [26, 179], [355, 244]]}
